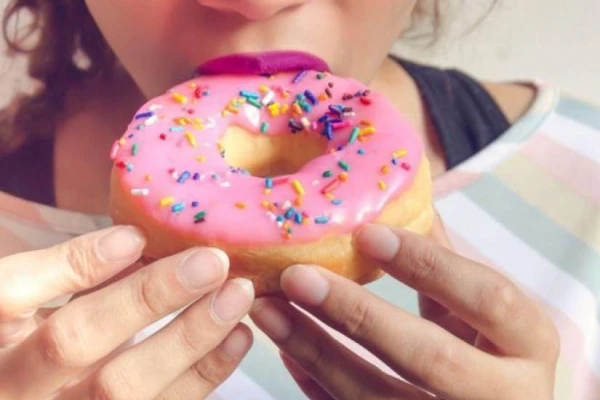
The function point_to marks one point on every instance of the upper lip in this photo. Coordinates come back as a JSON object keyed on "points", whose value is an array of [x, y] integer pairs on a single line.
{"points": [[262, 63]]}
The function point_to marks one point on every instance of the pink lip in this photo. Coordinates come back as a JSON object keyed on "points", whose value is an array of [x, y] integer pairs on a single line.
{"points": [[264, 63]]}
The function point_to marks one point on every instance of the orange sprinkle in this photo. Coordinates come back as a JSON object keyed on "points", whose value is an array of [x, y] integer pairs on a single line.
{"points": [[330, 196], [366, 122], [385, 169], [240, 205], [286, 235], [298, 201], [297, 109], [122, 141], [201, 158], [285, 108], [363, 139], [148, 177], [267, 191], [343, 176], [323, 97], [306, 221], [193, 85], [263, 89], [266, 204], [382, 185], [232, 109]]}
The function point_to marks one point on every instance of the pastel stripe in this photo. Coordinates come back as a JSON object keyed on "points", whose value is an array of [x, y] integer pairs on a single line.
{"points": [[538, 231], [554, 199], [565, 165], [579, 110], [452, 181], [527, 267], [578, 137]]}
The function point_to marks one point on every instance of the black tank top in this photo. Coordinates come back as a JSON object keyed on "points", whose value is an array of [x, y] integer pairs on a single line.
{"points": [[465, 116]]}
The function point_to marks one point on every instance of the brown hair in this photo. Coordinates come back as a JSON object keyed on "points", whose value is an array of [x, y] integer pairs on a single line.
{"points": [[64, 31]]}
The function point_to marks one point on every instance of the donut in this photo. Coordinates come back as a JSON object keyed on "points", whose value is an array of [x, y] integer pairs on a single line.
{"points": [[275, 169]]}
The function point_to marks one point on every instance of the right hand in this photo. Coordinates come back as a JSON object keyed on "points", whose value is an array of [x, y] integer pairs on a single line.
{"points": [[77, 352]]}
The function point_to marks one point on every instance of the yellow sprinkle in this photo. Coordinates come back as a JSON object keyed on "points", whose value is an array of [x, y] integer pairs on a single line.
{"points": [[330, 196], [382, 185], [180, 98], [166, 201], [298, 187], [285, 108], [191, 139], [400, 153], [263, 89], [232, 109], [148, 177], [266, 204], [369, 130], [240, 205], [225, 113], [198, 127], [287, 224], [385, 169], [220, 147], [241, 100], [267, 191], [193, 85], [181, 121], [201, 158], [198, 121], [343, 176]]}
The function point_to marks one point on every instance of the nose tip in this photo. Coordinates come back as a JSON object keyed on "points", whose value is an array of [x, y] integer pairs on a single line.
{"points": [[251, 9]]}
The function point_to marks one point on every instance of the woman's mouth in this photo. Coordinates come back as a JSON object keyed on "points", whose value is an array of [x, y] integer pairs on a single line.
{"points": [[262, 63]]}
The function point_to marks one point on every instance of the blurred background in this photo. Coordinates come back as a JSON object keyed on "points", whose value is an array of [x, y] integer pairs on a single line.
{"points": [[557, 41]]}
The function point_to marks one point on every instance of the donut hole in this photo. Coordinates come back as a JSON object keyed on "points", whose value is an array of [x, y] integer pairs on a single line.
{"points": [[271, 155]]}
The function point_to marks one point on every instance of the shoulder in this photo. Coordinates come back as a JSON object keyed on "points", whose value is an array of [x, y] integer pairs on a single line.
{"points": [[514, 99]]}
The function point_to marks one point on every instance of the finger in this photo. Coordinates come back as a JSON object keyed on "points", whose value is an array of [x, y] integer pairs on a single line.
{"points": [[337, 370], [433, 311], [206, 375], [438, 231], [417, 349], [147, 369], [482, 297], [30, 279], [309, 386], [85, 330]]}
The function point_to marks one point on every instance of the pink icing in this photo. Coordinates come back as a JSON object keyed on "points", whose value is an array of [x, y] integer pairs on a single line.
{"points": [[381, 165]]}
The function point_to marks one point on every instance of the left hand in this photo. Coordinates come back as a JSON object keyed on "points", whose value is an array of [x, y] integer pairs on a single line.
{"points": [[481, 337]]}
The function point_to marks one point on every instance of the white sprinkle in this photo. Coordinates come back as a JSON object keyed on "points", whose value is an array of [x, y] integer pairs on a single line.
{"points": [[306, 123], [316, 182], [140, 192], [268, 98], [350, 114], [175, 175], [226, 184], [286, 204], [154, 107], [211, 123], [151, 120], [271, 215]]}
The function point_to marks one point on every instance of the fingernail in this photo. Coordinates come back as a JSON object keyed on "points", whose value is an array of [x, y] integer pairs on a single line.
{"points": [[236, 344], [271, 320], [232, 301], [202, 268], [305, 284], [377, 242], [122, 243]]}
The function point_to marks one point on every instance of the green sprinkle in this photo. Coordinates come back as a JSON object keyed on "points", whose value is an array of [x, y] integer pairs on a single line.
{"points": [[354, 135], [254, 102], [264, 127], [200, 216], [344, 165], [134, 149], [327, 174]]}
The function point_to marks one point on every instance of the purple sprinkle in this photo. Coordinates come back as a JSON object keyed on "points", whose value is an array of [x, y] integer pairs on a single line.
{"points": [[144, 115], [299, 76]]}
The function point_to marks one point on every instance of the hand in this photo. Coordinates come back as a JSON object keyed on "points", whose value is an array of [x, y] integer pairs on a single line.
{"points": [[485, 339], [76, 353]]}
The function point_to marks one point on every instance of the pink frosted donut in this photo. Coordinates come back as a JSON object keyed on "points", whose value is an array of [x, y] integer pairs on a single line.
{"points": [[274, 170]]}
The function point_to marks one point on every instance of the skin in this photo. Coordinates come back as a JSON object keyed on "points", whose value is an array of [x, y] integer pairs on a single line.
{"points": [[47, 353]]}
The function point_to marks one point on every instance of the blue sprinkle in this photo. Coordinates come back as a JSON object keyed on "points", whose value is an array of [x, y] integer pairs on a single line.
{"points": [[323, 118], [311, 97], [139, 127], [249, 95], [305, 106], [336, 202], [394, 161], [328, 131], [290, 230], [298, 218], [144, 115], [269, 183], [131, 135], [183, 177], [196, 176], [361, 151], [321, 220], [290, 213], [335, 109], [178, 207], [300, 97], [299, 76], [195, 204], [129, 167], [279, 218], [205, 93], [340, 148], [176, 129]]}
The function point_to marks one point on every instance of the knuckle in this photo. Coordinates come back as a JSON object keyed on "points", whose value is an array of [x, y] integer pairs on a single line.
{"points": [[194, 336], [111, 384], [358, 318], [501, 303], [441, 366], [422, 267], [148, 298], [315, 358], [81, 260], [61, 345], [209, 373]]}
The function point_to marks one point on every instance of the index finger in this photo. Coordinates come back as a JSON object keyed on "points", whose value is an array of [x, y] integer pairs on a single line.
{"points": [[482, 297], [30, 279]]}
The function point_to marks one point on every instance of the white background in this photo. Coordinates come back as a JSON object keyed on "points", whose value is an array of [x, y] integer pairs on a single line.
{"points": [[555, 40]]}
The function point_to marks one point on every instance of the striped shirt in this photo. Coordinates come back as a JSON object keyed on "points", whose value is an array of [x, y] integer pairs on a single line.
{"points": [[527, 205]]}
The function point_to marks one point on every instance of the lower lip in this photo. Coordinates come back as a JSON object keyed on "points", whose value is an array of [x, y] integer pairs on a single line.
{"points": [[264, 63]]}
